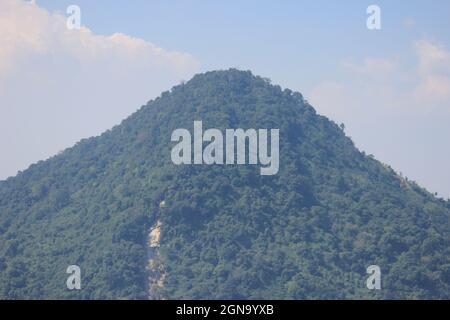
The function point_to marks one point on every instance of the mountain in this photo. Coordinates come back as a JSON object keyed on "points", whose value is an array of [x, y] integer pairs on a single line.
{"points": [[139, 226]]}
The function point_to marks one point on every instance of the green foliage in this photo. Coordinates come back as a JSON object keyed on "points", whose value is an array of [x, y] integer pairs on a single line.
{"points": [[227, 232]]}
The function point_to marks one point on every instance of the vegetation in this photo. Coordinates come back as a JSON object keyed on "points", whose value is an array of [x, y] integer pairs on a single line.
{"points": [[226, 231]]}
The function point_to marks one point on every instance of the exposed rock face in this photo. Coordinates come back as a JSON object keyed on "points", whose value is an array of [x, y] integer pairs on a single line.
{"points": [[154, 235], [155, 268]]}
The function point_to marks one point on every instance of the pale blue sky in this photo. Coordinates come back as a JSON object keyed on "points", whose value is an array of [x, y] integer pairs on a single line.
{"points": [[391, 87], [280, 39]]}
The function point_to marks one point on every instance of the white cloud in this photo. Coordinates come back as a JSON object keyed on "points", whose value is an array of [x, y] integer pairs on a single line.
{"points": [[59, 85], [395, 86], [434, 72], [432, 57], [26, 30], [397, 109], [372, 67]]}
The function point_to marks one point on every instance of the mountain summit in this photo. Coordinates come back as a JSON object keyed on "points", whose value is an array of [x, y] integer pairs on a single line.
{"points": [[139, 226]]}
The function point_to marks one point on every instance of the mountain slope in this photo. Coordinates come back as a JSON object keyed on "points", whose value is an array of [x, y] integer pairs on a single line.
{"points": [[309, 231]]}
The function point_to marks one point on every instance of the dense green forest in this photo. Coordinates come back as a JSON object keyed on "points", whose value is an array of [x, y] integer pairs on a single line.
{"points": [[308, 232]]}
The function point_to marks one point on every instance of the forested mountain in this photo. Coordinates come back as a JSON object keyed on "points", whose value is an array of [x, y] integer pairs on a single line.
{"points": [[308, 232]]}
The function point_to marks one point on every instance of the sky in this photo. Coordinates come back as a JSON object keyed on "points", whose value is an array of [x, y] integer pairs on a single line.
{"points": [[390, 87]]}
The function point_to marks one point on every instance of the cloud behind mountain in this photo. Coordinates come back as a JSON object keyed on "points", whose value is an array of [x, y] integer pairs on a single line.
{"points": [[59, 85]]}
